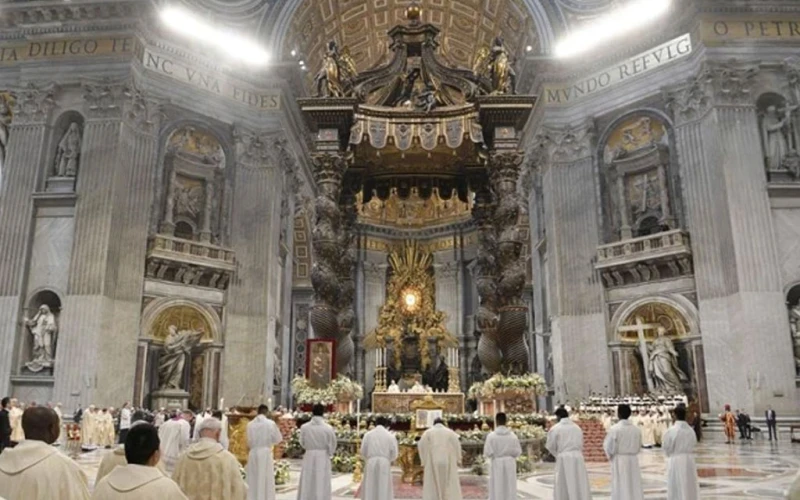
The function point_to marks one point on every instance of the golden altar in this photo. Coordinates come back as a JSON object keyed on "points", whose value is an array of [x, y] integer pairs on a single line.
{"points": [[401, 402]]}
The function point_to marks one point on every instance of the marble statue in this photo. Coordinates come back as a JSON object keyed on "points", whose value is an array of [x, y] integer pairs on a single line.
{"points": [[502, 74], [794, 323], [328, 79], [664, 370], [774, 129], [43, 328], [68, 152], [177, 346], [393, 387]]}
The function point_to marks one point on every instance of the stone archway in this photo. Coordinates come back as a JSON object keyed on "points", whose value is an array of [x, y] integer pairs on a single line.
{"points": [[635, 328]]}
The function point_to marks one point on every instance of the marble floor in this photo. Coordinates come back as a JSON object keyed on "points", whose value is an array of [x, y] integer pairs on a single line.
{"points": [[756, 469]]}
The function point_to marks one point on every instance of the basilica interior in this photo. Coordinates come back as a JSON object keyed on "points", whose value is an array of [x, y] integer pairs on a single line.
{"points": [[210, 203]]}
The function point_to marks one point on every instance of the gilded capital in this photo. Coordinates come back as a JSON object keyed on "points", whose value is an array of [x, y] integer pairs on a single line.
{"points": [[33, 103]]}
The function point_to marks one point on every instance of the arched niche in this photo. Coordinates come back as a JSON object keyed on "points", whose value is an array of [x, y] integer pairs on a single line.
{"points": [[65, 152], [195, 198], [793, 305], [39, 357], [632, 339], [639, 185], [780, 137]]}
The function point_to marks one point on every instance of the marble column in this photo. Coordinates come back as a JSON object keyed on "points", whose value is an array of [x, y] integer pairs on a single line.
{"points": [[253, 296], [23, 162], [580, 349], [742, 314]]}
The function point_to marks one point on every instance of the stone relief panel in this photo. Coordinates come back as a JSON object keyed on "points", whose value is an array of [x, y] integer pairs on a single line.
{"points": [[637, 183]]}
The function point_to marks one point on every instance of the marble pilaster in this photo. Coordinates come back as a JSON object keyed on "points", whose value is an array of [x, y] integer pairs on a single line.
{"points": [[374, 295]]}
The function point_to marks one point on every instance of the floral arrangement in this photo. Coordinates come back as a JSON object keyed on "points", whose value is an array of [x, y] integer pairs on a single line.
{"points": [[340, 389], [498, 384], [524, 464], [293, 448], [281, 472], [344, 463], [479, 465]]}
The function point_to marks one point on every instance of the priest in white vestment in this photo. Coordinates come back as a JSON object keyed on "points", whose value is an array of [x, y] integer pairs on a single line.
{"points": [[647, 428], [34, 469], [60, 414], [678, 443], [565, 442], [175, 436], [125, 421], [262, 435], [207, 471], [319, 440], [139, 478], [502, 448], [88, 427], [15, 418], [198, 420], [105, 429], [117, 457], [440, 454], [379, 450], [622, 446]]}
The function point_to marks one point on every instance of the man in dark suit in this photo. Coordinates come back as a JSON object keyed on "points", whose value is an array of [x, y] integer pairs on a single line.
{"points": [[5, 425], [772, 422]]}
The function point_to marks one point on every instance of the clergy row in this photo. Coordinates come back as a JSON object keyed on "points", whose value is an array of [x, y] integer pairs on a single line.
{"points": [[622, 445], [598, 405], [12, 410]]}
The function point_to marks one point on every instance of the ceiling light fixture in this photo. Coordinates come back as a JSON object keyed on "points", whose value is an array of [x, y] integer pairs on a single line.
{"points": [[183, 22], [294, 52], [636, 14]]}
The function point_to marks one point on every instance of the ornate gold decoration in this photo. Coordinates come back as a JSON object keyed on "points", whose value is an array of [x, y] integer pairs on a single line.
{"points": [[197, 381], [184, 318], [413, 211], [196, 143], [655, 313], [6, 106], [411, 267], [237, 433], [635, 134]]}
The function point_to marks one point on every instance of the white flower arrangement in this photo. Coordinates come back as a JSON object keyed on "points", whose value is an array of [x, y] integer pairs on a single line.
{"points": [[531, 383], [340, 389]]}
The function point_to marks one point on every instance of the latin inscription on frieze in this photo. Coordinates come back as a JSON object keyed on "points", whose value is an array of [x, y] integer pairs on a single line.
{"points": [[57, 49]]}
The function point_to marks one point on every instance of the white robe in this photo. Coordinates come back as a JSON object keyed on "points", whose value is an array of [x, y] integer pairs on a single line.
{"points": [[60, 425], [175, 436], [34, 470], [379, 450], [502, 448], [262, 435], [88, 428], [679, 442], [137, 482], [319, 440], [565, 442], [208, 472], [115, 459], [622, 446], [440, 454], [647, 428], [223, 436], [15, 419], [197, 421]]}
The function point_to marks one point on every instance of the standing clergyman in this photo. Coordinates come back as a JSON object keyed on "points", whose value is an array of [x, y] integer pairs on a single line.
{"points": [[319, 440], [379, 450], [262, 435], [175, 436], [622, 446], [679, 443], [440, 454], [565, 442], [502, 448]]}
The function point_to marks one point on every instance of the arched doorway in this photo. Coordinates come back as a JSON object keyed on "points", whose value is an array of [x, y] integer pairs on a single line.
{"points": [[656, 348]]}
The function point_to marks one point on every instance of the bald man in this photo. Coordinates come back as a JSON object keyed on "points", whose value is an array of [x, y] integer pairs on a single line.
{"points": [[35, 470]]}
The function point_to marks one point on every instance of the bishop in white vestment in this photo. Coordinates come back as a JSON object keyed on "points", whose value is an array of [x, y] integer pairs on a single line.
{"points": [[139, 478], [207, 471], [622, 446], [678, 443], [440, 454], [262, 435], [565, 442], [502, 448], [379, 450], [175, 436], [319, 440], [34, 469]]}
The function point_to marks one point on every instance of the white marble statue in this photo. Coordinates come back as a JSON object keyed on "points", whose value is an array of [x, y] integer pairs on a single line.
{"points": [[393, 387], [177, 346], [43, 328], [664, 370], [774, 128], [417, 388], [68, 152]]}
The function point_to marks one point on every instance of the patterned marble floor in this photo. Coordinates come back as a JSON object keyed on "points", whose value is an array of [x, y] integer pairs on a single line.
{"points": [[757, 469]]}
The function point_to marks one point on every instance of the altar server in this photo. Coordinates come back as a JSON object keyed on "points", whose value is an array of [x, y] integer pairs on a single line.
{"points": [[622, 445], [319, 440], [502, 448], [207, 471], [679, 442], [379, 450], [565, 442], [262, 435], [175, 436], [35, 470], [440, 454], [139, 478]]}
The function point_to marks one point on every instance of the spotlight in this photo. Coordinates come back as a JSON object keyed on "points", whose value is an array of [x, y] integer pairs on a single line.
{"points": [[613, 25], [294, 53], [529, 48], [185, 23], [302, 63], [411, 300]]}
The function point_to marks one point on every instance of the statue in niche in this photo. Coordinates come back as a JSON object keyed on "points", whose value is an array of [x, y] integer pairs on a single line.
{"points": [[43, 328], [667, 376], [188, 200], [776, 129], [68, 152], [177, 346], [5, 119], [794, 323]]}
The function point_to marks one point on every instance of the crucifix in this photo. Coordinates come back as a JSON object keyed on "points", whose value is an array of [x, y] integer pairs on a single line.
{"points": [[640, 327]]}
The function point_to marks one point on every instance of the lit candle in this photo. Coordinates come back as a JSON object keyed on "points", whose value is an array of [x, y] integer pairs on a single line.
{"points": [[269, 403], [221, 403]]}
